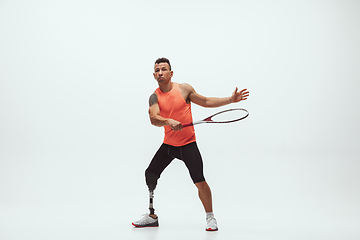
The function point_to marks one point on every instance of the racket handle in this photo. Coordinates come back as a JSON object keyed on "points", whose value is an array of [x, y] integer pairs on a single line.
{"points": [[187, 124]]}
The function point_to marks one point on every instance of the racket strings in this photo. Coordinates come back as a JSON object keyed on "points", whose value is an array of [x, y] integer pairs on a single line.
{"points": [[229, 116]]}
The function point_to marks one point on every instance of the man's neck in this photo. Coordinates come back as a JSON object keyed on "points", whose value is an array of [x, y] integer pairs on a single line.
{"points": [[166, 87]]}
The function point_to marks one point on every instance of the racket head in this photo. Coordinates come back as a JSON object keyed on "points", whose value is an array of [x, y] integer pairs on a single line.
{"points": [[228, 116]]}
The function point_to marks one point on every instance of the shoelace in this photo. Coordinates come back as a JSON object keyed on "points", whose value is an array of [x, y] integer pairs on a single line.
{"points": [[145, 218], [210, 219]]}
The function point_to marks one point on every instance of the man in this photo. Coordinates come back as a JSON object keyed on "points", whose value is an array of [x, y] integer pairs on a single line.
{"points": [[170, 107]]}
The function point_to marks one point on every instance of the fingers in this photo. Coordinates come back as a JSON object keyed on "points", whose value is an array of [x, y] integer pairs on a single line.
{"points": [[178, 127], [234, 95], [175, 125], [240, 96], [245, 94], [244, 91], [236, 89]]}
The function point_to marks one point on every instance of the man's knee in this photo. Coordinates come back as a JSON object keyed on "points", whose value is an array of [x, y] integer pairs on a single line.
{"points": [[202, 185], [151, 179]]}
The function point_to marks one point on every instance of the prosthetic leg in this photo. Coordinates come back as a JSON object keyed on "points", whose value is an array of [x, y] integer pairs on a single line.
{"points": [[151, 204], [151, 181], [149, 220]]}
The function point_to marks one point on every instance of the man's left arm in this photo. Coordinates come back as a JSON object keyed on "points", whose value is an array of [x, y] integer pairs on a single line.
{"points": [[236, 96]]}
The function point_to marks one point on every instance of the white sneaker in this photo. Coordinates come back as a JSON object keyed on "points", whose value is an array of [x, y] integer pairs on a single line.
{"points": [[146, 221], [211, 224]]}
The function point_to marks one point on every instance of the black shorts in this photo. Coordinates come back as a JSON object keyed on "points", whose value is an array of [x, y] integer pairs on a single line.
{"points": [[189, 154]]}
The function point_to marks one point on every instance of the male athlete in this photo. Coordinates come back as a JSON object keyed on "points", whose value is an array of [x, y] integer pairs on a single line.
{"points": [[169, 107]]}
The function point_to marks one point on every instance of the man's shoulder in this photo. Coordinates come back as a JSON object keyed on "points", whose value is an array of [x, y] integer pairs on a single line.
{"points": [[153, 94], [153, 99], [186, 87]]}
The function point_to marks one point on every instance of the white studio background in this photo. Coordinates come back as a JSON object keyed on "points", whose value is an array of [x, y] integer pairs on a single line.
{"points": [[75, 138]]}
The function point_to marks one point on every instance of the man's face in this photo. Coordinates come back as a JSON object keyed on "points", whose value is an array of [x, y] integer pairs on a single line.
{"points": [[162, 73]]}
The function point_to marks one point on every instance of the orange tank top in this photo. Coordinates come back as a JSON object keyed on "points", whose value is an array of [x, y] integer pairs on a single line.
{"points": [[172, 105]]}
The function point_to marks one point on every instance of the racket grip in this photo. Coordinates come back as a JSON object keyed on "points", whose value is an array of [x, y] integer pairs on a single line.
{"points": [[187, 124]]}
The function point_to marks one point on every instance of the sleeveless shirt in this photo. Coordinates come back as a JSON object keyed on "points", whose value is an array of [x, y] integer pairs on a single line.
{"points": [[172, 105]]}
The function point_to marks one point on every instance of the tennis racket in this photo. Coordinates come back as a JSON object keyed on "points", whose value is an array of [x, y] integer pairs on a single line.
{"points": [[226, 116]]}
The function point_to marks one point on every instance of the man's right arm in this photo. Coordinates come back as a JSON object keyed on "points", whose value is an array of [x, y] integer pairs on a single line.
{"points": [[156, 119]]}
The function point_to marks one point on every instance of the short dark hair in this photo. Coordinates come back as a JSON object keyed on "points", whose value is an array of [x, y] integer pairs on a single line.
{"points": [[163, 60]]}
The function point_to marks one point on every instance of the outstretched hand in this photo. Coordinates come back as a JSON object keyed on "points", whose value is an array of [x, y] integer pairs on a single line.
{"points": [[239, 96]]}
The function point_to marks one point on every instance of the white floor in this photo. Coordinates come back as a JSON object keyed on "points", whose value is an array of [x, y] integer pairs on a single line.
{"points": [[113, 222], [258, 200]]}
